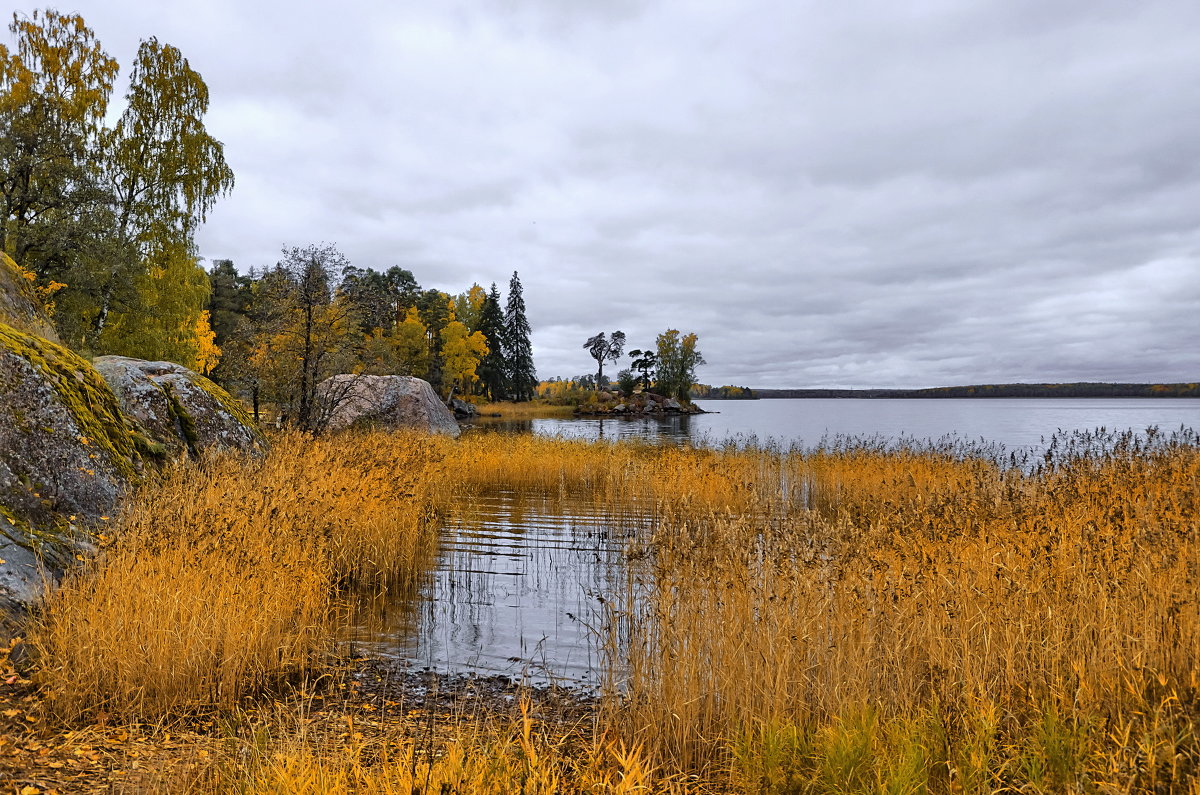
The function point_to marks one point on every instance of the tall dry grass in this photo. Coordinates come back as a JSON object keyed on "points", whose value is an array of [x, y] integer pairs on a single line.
{"points": [[491, 755], [222, 579], [1059, 607], [526, 410], [854, 618]]}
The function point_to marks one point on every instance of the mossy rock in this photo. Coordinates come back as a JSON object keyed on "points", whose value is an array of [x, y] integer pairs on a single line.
{"points": [[19, 305], [177, 412], [66, 457]]}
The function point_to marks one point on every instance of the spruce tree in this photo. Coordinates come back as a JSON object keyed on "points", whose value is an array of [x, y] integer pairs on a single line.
{"points": [[518, 351], [492, 369]]}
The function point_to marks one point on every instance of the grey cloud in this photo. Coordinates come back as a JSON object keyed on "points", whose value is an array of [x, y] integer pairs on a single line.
{"points": [[849, 194]]}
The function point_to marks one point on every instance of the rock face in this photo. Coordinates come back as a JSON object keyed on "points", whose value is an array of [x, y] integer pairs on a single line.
{"points": [[66, 456], [19, 306], [179, 411], [462, 409], [73, 438], [389, 401]]}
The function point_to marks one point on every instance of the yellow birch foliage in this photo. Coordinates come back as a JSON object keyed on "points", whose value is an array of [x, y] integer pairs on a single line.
{"points": [[172, 294], [468, 307], [208, 352], [410, 345], [461, 353]]}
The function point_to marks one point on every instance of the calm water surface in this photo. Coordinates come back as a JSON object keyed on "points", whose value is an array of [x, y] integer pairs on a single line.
{"points": [[519, 590], [521, 583], [1015, 423]]}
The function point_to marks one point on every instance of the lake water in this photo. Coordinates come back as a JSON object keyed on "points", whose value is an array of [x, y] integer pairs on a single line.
{"points": [[519, 590], [1015, 423], [521, 583]]}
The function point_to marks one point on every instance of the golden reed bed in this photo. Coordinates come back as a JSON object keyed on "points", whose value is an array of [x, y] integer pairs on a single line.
{"points": [[852, 619]]}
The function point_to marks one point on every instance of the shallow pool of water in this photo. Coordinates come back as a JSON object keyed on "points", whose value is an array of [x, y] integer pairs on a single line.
{"points": [[520, 589]]}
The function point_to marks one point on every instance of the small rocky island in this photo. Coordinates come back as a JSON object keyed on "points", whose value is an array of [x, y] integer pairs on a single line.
{"points": [[638, 404]]}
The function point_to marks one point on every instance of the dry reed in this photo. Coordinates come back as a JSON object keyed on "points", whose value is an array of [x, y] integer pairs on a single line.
{"points": [[930, 590], [847, 619], [493, 755], [222, 578], [528, 410]]}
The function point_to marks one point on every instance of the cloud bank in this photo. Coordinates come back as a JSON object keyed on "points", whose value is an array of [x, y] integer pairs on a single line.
{"points": [[830, 195]]}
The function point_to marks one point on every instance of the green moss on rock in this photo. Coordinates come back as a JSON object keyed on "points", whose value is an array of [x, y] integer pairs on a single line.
{"points": [[175, 407], [81, 391], [80, 388]]}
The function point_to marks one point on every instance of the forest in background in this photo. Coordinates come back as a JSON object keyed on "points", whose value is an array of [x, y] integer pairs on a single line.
{"points": [[282, 331]]}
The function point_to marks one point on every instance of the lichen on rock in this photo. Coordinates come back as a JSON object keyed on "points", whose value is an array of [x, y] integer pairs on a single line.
{"points": [[66, 457], [177, 411]]}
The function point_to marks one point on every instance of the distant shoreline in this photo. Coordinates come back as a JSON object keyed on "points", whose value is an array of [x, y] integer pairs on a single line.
{"points": [[1079, 390]]}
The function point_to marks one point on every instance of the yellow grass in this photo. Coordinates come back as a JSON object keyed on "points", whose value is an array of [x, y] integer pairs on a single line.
{"points": [[222, 579], [852, 619], [1049, 618], [1060, 608], [526, 410], [494, 755]]}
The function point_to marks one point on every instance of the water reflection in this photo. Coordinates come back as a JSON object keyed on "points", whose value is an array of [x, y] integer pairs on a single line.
{"points": [[519, 590], [671, 428], [521, 582]]}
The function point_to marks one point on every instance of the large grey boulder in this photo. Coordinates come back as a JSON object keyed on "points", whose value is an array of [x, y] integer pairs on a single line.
{"points": [[180, 411], [66, 457], [388, 401]]}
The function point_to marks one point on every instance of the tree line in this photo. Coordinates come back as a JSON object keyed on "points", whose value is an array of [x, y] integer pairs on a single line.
{"points": [[279, 333], [727, 392], [1075, 390]]}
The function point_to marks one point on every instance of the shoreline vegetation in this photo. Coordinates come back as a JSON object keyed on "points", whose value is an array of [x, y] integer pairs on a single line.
{"points": [[854, 618], [530, 409]]}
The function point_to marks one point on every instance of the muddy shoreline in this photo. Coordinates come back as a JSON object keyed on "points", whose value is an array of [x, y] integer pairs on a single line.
{"points": [[396, 685]]}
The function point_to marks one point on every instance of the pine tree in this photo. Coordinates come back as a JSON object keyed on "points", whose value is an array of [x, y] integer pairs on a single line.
{"points": [[518, 351], [228, 300], [602, 348], [492, 369]]}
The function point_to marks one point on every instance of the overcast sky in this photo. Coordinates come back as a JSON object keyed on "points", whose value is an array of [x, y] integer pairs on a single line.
{"points": [[829, 193]]}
